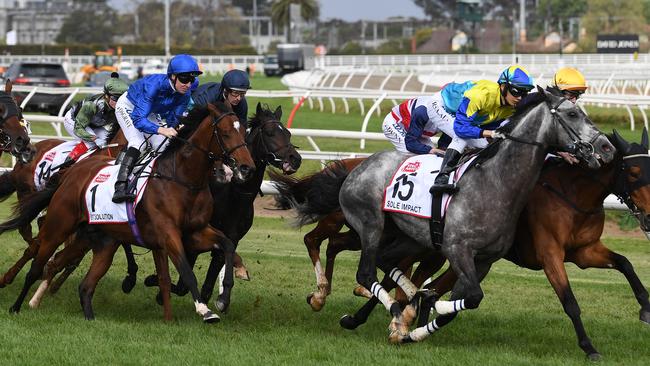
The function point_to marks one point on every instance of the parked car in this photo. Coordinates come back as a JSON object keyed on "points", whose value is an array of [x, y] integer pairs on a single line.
{"points": [[129, 69], [154, 66], [99, 78], [271, 66], [45, 74]]}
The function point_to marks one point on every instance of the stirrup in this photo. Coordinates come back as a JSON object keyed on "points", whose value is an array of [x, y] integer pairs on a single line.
{"points": [[120, 197]]}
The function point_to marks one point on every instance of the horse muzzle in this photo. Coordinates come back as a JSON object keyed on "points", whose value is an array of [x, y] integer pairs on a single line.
{"points": [[243, 172]]}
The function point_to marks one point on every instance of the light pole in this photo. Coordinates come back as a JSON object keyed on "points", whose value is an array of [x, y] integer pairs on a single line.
{"points": [[167, 53]]}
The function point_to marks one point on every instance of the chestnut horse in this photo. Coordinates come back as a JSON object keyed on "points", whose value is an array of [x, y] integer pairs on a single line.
{"points": [[14, 137], [542, 241], [175, 208]]}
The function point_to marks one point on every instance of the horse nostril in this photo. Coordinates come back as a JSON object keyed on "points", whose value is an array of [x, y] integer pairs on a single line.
{"points": [[607, 148]]}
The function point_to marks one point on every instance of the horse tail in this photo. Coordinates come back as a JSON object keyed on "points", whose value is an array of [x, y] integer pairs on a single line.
{"points": [[315, 196], [7, 185], [28, 208]]}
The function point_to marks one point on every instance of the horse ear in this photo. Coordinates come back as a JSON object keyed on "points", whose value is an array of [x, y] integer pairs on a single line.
{"points": [[278, 113], [620, 143], [8, 86], [258, 110], [644, 138]]}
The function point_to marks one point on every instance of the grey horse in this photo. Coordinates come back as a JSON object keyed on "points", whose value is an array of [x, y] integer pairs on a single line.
{"points": [[481, 218]]}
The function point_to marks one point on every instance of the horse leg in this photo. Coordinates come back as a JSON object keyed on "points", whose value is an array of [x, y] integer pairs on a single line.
{"points": [[325, 228], [67, 258], [553, 263], [102, 260], [599, 256], [216, 262], [164, 281], [131, 269], [338, 243], [439, 286], [176, 252], [241, 271], [29, 253]]}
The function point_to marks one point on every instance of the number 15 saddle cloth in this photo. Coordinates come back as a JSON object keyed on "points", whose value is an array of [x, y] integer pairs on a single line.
{"points": [[408, 191]]}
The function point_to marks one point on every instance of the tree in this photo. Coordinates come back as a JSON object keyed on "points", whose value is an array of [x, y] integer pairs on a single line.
{"points": [[88, 24], [611, 17], [309, 10]]}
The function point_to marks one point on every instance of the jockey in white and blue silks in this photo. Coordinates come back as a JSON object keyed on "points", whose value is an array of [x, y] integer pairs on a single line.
{"points": [[411, 124], [149, 112]]}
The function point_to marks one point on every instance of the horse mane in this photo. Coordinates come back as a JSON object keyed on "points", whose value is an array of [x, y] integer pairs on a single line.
{"points": [[263, 114], [528, 103], [191, 123]]}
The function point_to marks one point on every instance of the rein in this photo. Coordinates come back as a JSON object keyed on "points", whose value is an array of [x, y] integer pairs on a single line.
{"points": [[225, 156]]}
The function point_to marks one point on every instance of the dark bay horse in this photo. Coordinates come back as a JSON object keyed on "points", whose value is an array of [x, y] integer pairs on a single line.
{"points": [[175, 209], [471, 243], [269, 143]]}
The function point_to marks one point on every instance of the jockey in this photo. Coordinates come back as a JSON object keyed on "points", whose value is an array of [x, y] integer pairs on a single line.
{"points": [[93, 119], [411, 124], [231, 90], [148, 113], [570, 83], [478, 108]]}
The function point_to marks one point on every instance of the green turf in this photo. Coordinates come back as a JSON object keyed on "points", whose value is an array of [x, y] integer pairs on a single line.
{"points": [[520, 320]]}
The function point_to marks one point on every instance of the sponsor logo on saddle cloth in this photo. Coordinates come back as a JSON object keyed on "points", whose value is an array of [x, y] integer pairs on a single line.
{"points": [[99, 194], [408, 191], [50, 162]]}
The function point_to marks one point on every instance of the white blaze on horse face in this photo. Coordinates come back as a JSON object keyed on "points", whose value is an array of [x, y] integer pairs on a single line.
{"points": [[237, 125]]}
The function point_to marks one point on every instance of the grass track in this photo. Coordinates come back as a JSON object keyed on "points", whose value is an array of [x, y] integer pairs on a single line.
{"points": [[519, 322]]}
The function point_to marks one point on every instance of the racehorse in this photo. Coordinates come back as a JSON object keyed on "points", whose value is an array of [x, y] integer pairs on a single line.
{"points": [[13, 134], [269, 142], [175, 208], [21, 181], [471, 241]]}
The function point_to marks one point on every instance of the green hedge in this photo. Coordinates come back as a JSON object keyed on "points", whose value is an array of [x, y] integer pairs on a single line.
{"points": [[127, 49]]}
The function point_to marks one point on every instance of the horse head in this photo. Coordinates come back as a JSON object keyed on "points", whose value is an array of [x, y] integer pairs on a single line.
{"points": [[228, 142], [576, 133], [14, 137], [270, 141], [632, 183]]}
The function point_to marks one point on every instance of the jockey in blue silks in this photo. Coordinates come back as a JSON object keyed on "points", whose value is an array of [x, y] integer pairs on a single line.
{"points": [[149, 112], [231, 90], [478, 108]]}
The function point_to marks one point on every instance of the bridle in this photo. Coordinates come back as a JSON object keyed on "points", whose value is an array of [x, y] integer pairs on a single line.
{"points": [[226, 155], [10, 110], [268, 156], [623, 189], [581, 149]]}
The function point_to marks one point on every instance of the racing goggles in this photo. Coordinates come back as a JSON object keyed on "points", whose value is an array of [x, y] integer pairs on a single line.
{"points": [[572, 94], [517, 92], [185, 78], [237, 93]]}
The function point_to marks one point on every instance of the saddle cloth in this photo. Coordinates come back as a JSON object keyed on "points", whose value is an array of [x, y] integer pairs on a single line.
{"points": [[99, 194], [50, 162], [408, 191]]}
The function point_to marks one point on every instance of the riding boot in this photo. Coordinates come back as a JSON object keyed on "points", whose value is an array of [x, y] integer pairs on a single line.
{"points": [[121, 194], [449, 162], [76, 152]]}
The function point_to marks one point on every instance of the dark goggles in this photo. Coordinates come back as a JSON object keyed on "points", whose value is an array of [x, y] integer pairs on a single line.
{"points": [[114, 97], [570, 94], [236, 93], [517, 92], [185, 78]]}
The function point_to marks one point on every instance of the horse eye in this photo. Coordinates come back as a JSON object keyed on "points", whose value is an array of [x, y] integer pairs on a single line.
{"points": [[573, 114], [635, 173]]}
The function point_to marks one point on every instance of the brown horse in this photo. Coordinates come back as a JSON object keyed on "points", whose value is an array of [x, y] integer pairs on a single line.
{"points": [[562, 222], [20, 180], [14, 138], [175, 208]]}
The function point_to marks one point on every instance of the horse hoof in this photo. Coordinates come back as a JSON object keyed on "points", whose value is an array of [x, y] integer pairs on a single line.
{"points": [[14, 310], [644, 316], [128, 284], [315, 302], [210, 318], [594, 357], [151, 280], [348, 322], [222, 306], [242, 274], [396, 338], [34, 304]]}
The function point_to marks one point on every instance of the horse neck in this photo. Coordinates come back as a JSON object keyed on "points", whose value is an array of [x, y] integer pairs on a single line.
{"points": [[190, 163]]}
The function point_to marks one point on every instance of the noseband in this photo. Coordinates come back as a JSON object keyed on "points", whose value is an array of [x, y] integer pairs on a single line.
{"points": [[623, 190], [269, 157]]}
